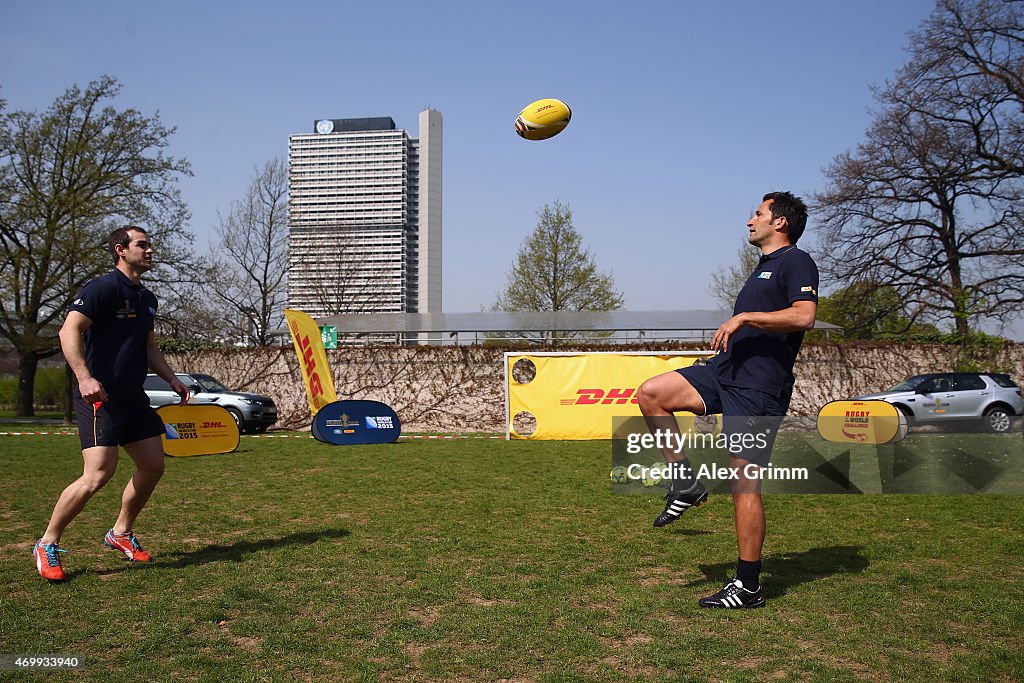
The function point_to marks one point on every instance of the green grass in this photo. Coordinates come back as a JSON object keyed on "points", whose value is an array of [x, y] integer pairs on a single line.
{"points": [[480, 559], [40, 414]]}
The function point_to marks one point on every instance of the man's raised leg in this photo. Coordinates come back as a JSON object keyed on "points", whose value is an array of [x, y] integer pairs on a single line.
{"points": [[660, 398]]}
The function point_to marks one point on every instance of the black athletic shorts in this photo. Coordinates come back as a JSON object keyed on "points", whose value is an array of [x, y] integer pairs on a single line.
{"points": [[744, 411], [115, 424]]}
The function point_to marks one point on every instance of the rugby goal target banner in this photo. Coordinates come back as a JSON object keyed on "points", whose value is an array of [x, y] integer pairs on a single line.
{"points": [[197, 430], [574, 396]]}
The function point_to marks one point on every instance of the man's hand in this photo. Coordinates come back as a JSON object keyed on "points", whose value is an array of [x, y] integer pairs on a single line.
{"points": [[92, 391], [181, 390], [720, 342]]}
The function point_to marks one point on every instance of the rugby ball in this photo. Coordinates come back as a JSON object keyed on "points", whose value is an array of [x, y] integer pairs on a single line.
{"points": [[543, 119]]}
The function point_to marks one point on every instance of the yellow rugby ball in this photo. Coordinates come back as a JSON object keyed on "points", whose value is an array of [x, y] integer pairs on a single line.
{"points": [[543, 119]]}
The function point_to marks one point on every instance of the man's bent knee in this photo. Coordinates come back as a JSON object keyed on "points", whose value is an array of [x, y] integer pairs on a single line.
{"points": [[668, 393], [647, 397], [148, 455], [95, 480]]}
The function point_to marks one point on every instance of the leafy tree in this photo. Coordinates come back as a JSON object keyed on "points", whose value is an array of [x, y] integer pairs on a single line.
{"points": [[250, 280], [726, 283], [553, 271], [68, 176], [869, 311], [930, 203]]}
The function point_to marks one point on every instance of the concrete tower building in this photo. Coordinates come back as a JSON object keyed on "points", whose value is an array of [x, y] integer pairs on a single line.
{"points": [[364, 220]]}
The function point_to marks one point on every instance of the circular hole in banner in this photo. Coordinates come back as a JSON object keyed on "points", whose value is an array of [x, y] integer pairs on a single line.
{"points": [[524, 423], [524, 371]]}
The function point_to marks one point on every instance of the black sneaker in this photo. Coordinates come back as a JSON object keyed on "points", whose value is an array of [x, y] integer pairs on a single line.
{"points": [[734, 596], [678, 502]]}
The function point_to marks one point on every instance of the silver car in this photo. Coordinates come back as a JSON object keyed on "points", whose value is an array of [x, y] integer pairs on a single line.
{"points": [[990, 399], [251, 412]]}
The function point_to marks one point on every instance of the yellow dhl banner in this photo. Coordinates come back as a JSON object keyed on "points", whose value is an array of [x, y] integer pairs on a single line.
{"points": [[309, 346], [197, 430], [576, 395], [861, 422]]}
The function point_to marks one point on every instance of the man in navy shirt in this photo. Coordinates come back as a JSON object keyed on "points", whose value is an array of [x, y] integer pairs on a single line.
{"points": [[749, 382], [107, 339]]}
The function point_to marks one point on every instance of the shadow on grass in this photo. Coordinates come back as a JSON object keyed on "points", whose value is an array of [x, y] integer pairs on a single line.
{"points": [[782, 572], [687, 531], [236, 552]]}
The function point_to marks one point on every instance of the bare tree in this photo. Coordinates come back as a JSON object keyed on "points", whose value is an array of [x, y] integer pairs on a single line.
{"points": [[920, 206], [188, 316], [727, 282], [248, 273], [966, 74], [351, 283], [68, 176]]}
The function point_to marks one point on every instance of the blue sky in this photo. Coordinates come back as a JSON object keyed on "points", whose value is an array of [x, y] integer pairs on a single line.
{"points": [[684, 112]]}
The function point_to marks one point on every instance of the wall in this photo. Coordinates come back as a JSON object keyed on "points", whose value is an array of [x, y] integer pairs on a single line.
{"points": [[460, 388]]}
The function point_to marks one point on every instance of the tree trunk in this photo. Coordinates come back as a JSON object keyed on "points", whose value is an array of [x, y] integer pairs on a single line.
{"points": [[24, 404]]}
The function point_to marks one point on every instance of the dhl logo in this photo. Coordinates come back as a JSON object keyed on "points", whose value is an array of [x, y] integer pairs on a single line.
{"points": [[593, 397], [212, 425], [316, 388]]}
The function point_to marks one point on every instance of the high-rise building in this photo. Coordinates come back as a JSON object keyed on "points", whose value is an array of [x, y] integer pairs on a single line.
{"points": [[364, 217]]}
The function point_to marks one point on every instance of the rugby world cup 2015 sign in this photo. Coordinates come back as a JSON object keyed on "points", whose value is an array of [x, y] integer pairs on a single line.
{"points": [[197, 430], [861, 422], [356, 422]]}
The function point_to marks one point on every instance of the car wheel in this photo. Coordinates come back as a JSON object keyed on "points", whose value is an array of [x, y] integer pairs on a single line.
{"points": [[237, 417], [998, 420]]}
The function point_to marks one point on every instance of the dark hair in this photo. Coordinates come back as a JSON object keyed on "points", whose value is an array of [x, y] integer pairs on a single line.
{"points": [[793, 209], [121, 237]]}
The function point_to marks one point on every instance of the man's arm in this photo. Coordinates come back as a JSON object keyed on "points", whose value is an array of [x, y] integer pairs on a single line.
{"points": [[158, 364], [73, 346], [797, 318]]}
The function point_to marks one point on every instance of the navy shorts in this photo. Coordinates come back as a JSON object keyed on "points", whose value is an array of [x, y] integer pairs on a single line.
{"points": [[116, 423], [744, 412]]}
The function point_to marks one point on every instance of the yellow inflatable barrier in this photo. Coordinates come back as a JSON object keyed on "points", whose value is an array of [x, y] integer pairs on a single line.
{"points": [[861, 422]]}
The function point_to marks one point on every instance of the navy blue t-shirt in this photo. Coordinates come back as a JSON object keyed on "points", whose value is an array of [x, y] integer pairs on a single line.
{"points": [[122, 314], [758, 359]]}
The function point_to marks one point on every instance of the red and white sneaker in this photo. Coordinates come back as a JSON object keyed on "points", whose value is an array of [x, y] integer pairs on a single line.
{"points": [[47, 557], [128, 544]]}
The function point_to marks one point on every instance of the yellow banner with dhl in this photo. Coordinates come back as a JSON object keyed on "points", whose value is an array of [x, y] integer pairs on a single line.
{"points": [[309, 347], [197, 430], [574, 396]]}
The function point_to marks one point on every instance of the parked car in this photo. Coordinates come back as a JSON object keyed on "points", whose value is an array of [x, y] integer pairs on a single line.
{"points": [[987, 398], [252, 412]]}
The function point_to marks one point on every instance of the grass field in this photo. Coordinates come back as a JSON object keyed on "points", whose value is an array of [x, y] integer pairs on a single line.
{"points": [[481, 560]]}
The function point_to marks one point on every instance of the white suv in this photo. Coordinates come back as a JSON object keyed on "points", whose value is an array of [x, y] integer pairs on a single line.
{"points": [[252, 412], [991, 399]]}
